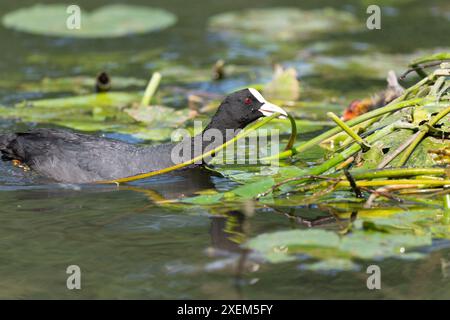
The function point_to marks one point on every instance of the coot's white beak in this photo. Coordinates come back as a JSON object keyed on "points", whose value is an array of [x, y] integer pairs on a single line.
{"points": [[267, 109]]}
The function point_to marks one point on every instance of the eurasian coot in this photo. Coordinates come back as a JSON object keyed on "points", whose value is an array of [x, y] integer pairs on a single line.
{"points": [[71, 157]]}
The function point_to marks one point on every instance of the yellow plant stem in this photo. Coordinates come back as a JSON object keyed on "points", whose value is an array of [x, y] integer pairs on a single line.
{"points": [[364, 145], [393, 106], [418, 182], [240, 135]]}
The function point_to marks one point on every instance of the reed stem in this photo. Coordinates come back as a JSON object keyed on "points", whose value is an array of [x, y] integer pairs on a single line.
{"points": [[375, 113], [152, 86], [364, 145]]}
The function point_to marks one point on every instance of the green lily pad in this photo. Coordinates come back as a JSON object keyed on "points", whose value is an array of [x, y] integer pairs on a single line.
{"points": [[367, 65], [306, 238], [283, 24], [328, 265], [367, 245], [416, 222], [155, 115], [322, 244], [284, 85], [106, 22], [253, 189], [204, 199], [105, 112], [111, 100], [422, 155], [384, 148]]}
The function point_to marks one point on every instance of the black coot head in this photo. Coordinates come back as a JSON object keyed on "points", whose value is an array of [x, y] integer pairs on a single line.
{"points": [[241, 108]]}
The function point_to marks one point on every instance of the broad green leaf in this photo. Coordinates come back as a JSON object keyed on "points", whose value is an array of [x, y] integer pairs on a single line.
{"points": [[431, 57], [328, 265], [369, 65], [99, 112], [155, 115], [114, 20], [278, 246], [114, 100], [318, 243], [204, 199], [283, 24], [423, 155], [384, 148], [253, 189], [368, 245], [309, 238], [284, 85]]}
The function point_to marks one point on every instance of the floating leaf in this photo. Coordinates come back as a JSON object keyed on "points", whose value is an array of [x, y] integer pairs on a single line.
{"points": [[384, 148], [204, 199], [109, 21], [328, 265], [253, 189], [367, 245], [282, 245], [284, 85], [307, 238], [281, 24], [369, 65], [115, 100], [97, 112], [423, 156], [155, 115]]}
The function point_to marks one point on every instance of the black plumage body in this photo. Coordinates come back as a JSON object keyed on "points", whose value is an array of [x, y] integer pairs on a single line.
{"points": [[79, 158], [71, 157]]}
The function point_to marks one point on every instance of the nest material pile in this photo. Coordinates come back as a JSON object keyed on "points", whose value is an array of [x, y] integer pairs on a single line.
{"points": [[403, 145]]}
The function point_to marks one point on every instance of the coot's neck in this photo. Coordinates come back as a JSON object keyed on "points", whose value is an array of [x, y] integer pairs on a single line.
{"points": [[224, 123], [217, 132]]}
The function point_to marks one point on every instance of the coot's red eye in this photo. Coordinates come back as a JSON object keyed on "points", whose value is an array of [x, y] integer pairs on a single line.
{"points": [[248, 101]]}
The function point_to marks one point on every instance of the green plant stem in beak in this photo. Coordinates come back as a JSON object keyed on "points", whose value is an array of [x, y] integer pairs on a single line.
{"points": [[240, 135]]}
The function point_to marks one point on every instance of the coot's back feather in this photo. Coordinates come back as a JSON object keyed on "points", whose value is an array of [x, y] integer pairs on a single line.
{"points": [[73, 157]]}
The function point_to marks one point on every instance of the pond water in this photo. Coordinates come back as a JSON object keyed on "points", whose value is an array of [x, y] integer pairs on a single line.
{"points": [[129, 245]]}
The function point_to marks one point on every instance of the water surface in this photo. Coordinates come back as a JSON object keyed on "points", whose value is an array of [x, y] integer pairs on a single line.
{"points": [[127, 244]]}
